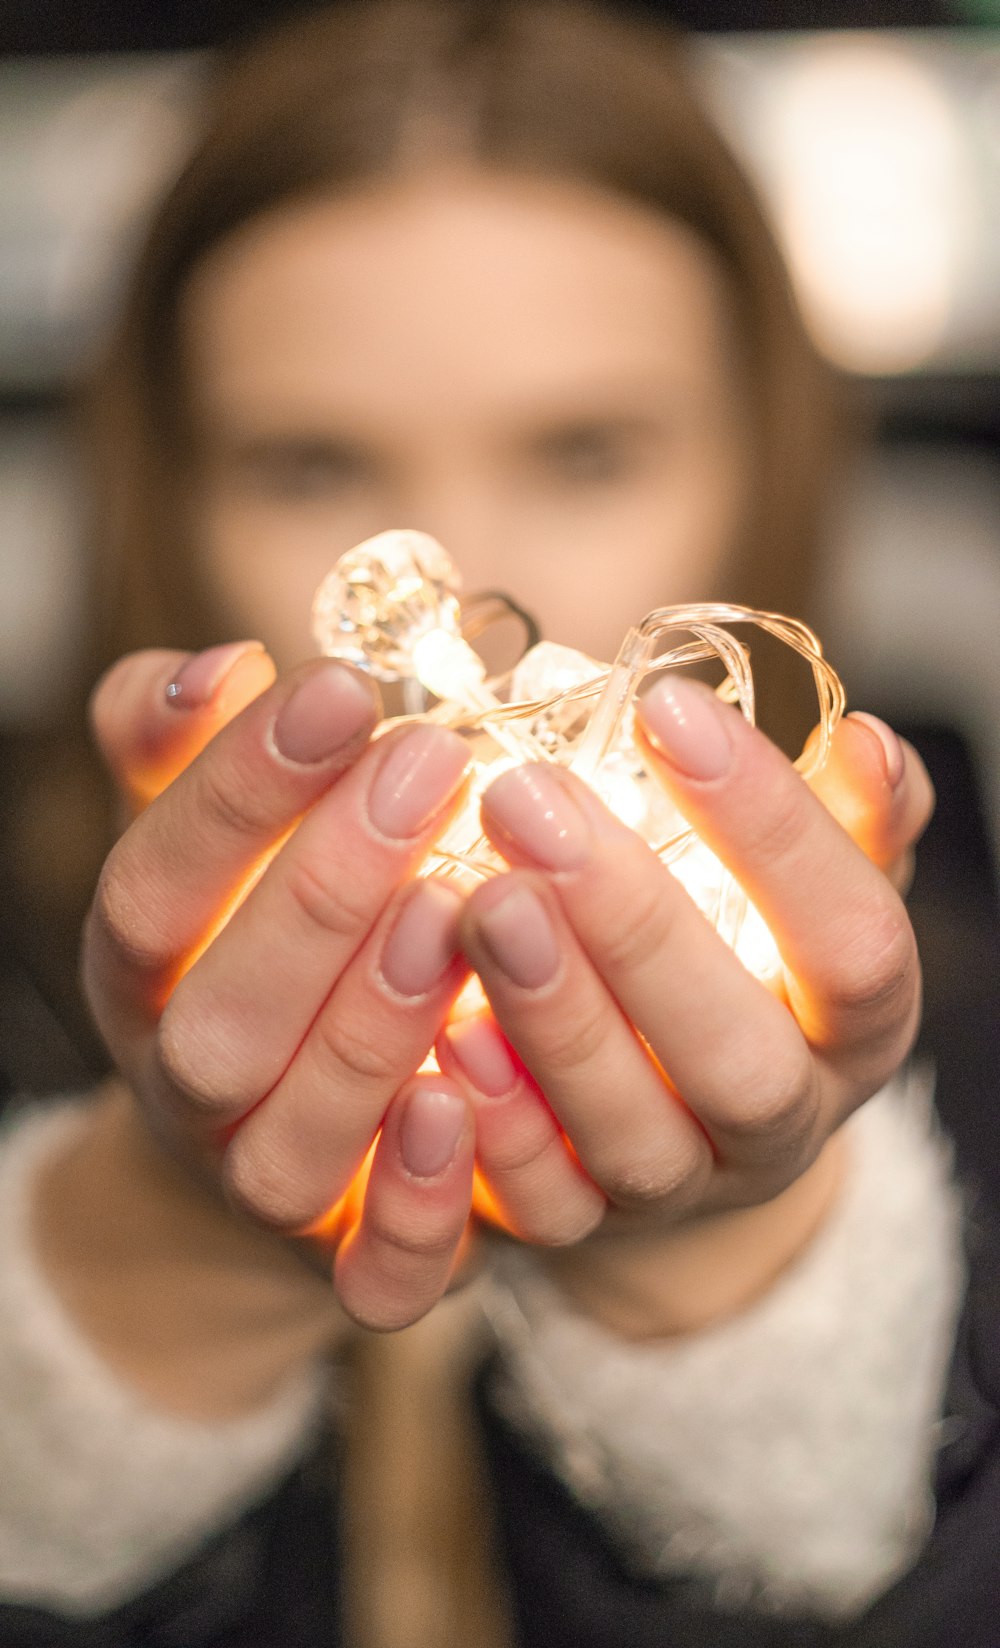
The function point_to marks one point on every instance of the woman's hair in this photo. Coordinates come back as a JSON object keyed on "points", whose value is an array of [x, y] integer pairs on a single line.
{"points": [[370, 91]]}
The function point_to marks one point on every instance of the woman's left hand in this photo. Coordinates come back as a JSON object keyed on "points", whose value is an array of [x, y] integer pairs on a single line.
{"points": [[684, 1085]]}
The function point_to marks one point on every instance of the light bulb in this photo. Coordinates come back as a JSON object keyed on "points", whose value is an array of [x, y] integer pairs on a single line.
{"points": [[391, 607], [382, 598]]}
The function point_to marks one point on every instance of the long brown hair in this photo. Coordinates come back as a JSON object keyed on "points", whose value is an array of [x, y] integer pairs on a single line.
{"points": [[366, 91]]}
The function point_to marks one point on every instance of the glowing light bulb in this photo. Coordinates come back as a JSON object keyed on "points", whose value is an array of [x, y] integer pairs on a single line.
{"points": [[391, 606], [382, 598]]}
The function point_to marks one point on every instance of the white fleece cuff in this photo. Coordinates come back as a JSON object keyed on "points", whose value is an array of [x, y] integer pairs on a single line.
{"points": [[101, 1495], [786, 1454]]}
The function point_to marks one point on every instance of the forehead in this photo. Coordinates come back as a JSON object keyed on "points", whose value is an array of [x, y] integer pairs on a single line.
{"points": [[474, 287]]}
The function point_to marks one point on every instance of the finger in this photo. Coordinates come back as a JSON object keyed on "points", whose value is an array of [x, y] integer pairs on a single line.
{"points": [[190, 854], [239, 1015], [634, 1139], [153, 712], [396, 1262], [727, 1045], [877, 787], [295, 1154], [849, 952], [541, 1192]]}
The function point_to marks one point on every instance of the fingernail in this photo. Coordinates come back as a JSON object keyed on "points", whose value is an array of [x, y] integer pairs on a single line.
{"points": [[430, 1131], [420, 773], [482, 1054], [685, 723], [326, 710], [529, 806], [424, 941], [517, 932], [895, 762], [198, 680]]}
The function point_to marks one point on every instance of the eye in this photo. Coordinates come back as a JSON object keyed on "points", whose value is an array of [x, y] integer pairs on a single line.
{"points": [[590, 453], [294, 468]]}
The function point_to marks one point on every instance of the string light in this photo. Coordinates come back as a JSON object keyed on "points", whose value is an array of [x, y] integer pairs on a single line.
{"points": [[391, 606]]}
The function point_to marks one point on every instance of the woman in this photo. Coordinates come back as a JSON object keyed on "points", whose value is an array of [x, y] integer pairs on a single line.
{"points": [[487, 273]]}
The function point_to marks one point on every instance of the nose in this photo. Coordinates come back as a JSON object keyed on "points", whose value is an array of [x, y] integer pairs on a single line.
{"points": [[469, 517]]}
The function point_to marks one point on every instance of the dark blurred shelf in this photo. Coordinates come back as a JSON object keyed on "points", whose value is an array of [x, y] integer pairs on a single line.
{"points": [[167, 25], [934, 407]]}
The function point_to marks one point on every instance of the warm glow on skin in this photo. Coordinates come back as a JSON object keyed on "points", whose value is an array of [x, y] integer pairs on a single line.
{"points": [[230, 906], [333, 1225], [399, 571], [538, 375], [485, 1205], [345, 1213]]}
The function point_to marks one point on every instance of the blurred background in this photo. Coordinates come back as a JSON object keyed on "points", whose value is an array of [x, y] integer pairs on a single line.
{"points": [[874, 132]]}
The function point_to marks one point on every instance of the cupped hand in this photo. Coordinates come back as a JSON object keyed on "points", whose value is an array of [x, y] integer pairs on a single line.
{"points": [[632, 1073], [267, 974]]}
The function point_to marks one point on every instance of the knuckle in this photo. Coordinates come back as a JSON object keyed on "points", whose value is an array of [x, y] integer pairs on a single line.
{"points": [[636, 931], [346, 1047], [563, 1227], [334, 903], [528, 1167], [576, 1040], [189, 1055], [519, 1150], [261, 1183], [124, 920], [398, 1232], [777, 827], [382, 1303], [237, 808], [880, 979], [670, 1172], [780, 1110]]}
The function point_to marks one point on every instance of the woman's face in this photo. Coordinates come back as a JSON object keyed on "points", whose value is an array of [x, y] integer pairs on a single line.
{"points": [[537, 374]]}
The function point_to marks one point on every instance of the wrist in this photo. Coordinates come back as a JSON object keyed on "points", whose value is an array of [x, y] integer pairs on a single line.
{"points": [[650, 1285], [203, 1312]]}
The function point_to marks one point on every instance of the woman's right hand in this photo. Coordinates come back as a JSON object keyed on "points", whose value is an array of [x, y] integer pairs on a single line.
{"points": [[269, 1035]]}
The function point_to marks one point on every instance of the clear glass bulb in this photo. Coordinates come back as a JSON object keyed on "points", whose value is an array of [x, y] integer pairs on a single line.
{"points": [[382, 598], [391, 606]]}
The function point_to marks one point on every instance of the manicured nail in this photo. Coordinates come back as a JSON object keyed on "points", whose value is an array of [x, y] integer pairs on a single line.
{"points": [[516, 930], [530, 807], [424, 941], [430, 1131], [895, 761], [199, 679], [482, 1054], [421, 771], [684, 720], [326, 710]]}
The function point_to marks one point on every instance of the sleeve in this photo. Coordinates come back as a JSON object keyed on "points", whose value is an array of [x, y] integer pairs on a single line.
{"points": [[101, 1495], [782, 1458]]}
